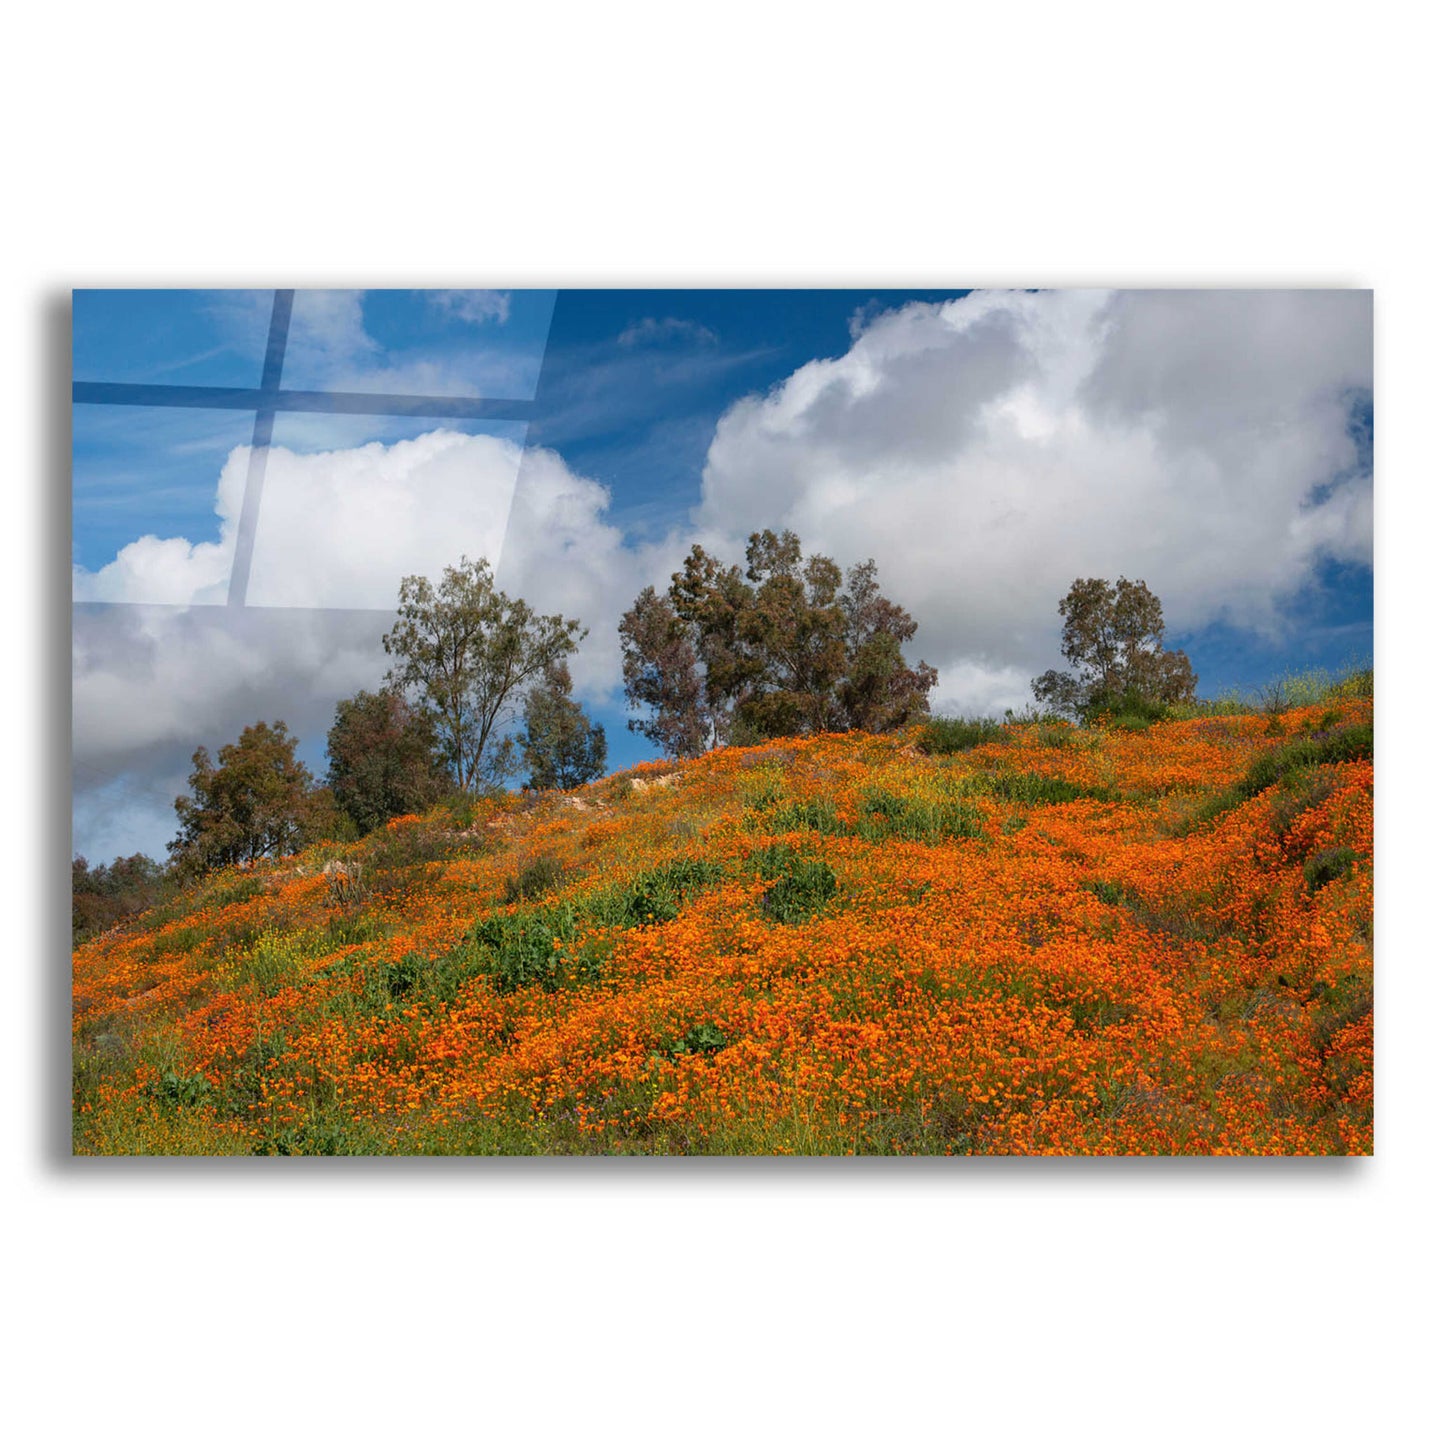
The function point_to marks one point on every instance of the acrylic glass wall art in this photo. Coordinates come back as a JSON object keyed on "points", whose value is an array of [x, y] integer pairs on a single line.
{"points": [[723, 722]]}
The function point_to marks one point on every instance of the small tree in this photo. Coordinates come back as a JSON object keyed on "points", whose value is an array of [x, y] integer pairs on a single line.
{"points": [[258, 800], [781, 649], [879, 691], [385, 759], [1114, 637], [464, 652], [662, 672], [106, 894], [560, 748]]}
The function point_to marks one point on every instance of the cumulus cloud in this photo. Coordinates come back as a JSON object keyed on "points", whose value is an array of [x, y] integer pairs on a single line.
{"points": [[987, 451], [336, 528], [337, 531], [151, 684]]}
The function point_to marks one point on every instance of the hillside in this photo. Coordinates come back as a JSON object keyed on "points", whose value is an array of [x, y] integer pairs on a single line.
{"points": [[1054, 940]]}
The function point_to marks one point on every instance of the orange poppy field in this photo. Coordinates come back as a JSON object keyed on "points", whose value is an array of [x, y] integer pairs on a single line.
{"points": [[1042, 939]]}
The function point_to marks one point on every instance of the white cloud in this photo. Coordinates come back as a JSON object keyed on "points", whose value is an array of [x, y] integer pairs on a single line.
{"points": [[657, 331], [335, 529], [968, 687], [327, 333], [476, 308], [987, 451], [329, 348]]}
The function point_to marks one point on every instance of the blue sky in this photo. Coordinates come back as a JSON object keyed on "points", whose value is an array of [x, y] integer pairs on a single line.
{"points": [[987, 448]]}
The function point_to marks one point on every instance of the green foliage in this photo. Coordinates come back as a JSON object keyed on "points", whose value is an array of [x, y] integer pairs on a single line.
{"points": [[528, 947], [704, 1038], [1113, 639], [1031, 788], [465, 651], [184, 1090], [385, 759], [1129, 710], [919, 818], [257, 801], [956, 734], [814, 813], [1329, 864], [786, 648], [799, 886], [103, 896], [1334, 745], [1104, 891], [534, 880], [559, 746], [330, 1138], [399, 977], [659, 895]]}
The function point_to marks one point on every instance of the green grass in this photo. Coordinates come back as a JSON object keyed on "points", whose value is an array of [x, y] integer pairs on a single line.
{"points": [[535, 880], [799, 886], [1333, 745], [658, 895], [915, 817], [814, 814], [957, 734], [1034, 788]]}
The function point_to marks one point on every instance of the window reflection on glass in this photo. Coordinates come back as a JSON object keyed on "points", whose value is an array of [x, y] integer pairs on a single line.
{"points": [[153, 517], [418, 343], [443, 488]]}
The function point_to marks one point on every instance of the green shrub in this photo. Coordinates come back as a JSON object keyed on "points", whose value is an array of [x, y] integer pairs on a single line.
{"points": [[1127, 709], [799, 887], [1034, 788], [820, 816], [957, 734], [658, 895], [537, 879], [528, 947], [1055, 735], [181, 1089], [1329, 864], [917, 818], [1336, 745], [1109, 893], [704, 1038]]}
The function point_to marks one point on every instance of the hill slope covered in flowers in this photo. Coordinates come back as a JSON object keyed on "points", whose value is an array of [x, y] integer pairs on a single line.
{"points": [[1057, 940]]}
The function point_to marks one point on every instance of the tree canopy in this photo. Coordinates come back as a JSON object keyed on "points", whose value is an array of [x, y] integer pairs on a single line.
{"points": [[257, 800], [103, 895], [787, 646], [560, 747], [1114, 638], [464, 652], [385, 759]]}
